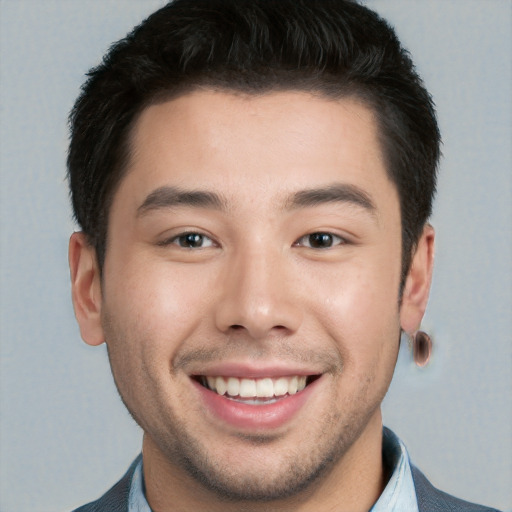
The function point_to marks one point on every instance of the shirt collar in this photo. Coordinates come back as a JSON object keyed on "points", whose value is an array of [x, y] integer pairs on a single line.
{"points": [[399, 494], [137, 498]]}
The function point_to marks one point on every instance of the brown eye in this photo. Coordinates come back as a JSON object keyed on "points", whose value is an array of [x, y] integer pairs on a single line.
{"points": [[320, 240], [193, 241]]}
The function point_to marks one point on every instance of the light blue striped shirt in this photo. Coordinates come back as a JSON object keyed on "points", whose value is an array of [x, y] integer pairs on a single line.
{"points": [[399, 494]]}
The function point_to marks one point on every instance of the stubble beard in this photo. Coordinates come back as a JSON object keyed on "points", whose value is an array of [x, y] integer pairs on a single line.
{"points": [[297, 470]]}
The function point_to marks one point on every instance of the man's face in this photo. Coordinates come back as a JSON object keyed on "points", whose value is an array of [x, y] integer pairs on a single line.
{"points": [[254, 248]]}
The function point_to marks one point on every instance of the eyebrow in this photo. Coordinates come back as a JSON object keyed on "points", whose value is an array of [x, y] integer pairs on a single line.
{"points": [[336, 193], [169, 197]]}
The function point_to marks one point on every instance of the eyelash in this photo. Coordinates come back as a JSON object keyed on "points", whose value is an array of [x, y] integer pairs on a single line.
{"points": [[319, 236], [175, 240], [313, 239]]}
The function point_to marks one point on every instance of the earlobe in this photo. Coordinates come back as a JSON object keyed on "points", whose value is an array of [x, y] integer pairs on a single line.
{"points": [[86, 288], [417, 284]]}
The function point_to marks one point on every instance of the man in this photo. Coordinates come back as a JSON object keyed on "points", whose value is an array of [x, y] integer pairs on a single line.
{"points": [[253, 180]]}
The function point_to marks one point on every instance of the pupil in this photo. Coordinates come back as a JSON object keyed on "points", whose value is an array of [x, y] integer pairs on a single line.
{"points": [[320, 240], [191, 240]]}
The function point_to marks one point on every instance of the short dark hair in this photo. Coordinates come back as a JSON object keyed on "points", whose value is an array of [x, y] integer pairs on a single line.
{"points": [[332, 48]]}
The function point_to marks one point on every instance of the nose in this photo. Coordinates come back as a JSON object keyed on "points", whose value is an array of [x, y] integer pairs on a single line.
{"points": [[258, 296]]}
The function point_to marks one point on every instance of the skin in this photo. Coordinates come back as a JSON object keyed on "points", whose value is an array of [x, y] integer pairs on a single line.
{"points": [[256, 295]]}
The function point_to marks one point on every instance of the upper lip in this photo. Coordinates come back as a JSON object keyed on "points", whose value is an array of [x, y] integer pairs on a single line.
{"points": [[251, 371]]}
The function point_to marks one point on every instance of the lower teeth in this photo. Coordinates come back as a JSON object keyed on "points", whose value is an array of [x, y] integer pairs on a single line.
{"points": [[254, 401]]}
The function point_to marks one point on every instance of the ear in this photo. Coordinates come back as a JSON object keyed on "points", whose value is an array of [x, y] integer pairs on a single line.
{"points": [[86, 288], [417, 284]]}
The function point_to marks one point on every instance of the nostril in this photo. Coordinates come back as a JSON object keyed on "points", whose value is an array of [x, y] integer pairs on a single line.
{"points": [[236, 327]]}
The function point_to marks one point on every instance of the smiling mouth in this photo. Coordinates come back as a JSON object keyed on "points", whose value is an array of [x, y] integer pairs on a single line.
{"points": [[256, 391]]}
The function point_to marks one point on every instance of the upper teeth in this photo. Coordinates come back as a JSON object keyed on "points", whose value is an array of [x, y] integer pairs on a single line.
{"points": [[256, 388]]}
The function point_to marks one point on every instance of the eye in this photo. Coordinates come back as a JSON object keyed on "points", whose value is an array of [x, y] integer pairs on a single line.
{"points": [[190, 241], [320, 240]]}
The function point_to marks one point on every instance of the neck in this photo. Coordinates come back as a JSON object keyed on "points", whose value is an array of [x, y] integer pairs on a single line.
{"points": [[353, 484]]}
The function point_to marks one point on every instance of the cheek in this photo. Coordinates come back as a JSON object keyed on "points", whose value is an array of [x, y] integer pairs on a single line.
{"points": [[358, 306], [157, 302], [364, 293]]}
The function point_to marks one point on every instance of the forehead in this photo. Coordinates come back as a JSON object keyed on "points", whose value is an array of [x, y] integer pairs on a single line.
{"points": [[256, 145]]}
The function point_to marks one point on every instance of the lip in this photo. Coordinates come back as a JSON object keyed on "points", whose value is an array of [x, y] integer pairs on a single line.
{"points": [[256, 418], [255, 372]]}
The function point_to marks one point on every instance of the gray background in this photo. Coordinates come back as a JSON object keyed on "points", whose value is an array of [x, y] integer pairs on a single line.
{"points": [[64, 435]]}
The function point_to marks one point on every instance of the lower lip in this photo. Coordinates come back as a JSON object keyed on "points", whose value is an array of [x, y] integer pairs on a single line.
{"points": [[254, 417]]}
